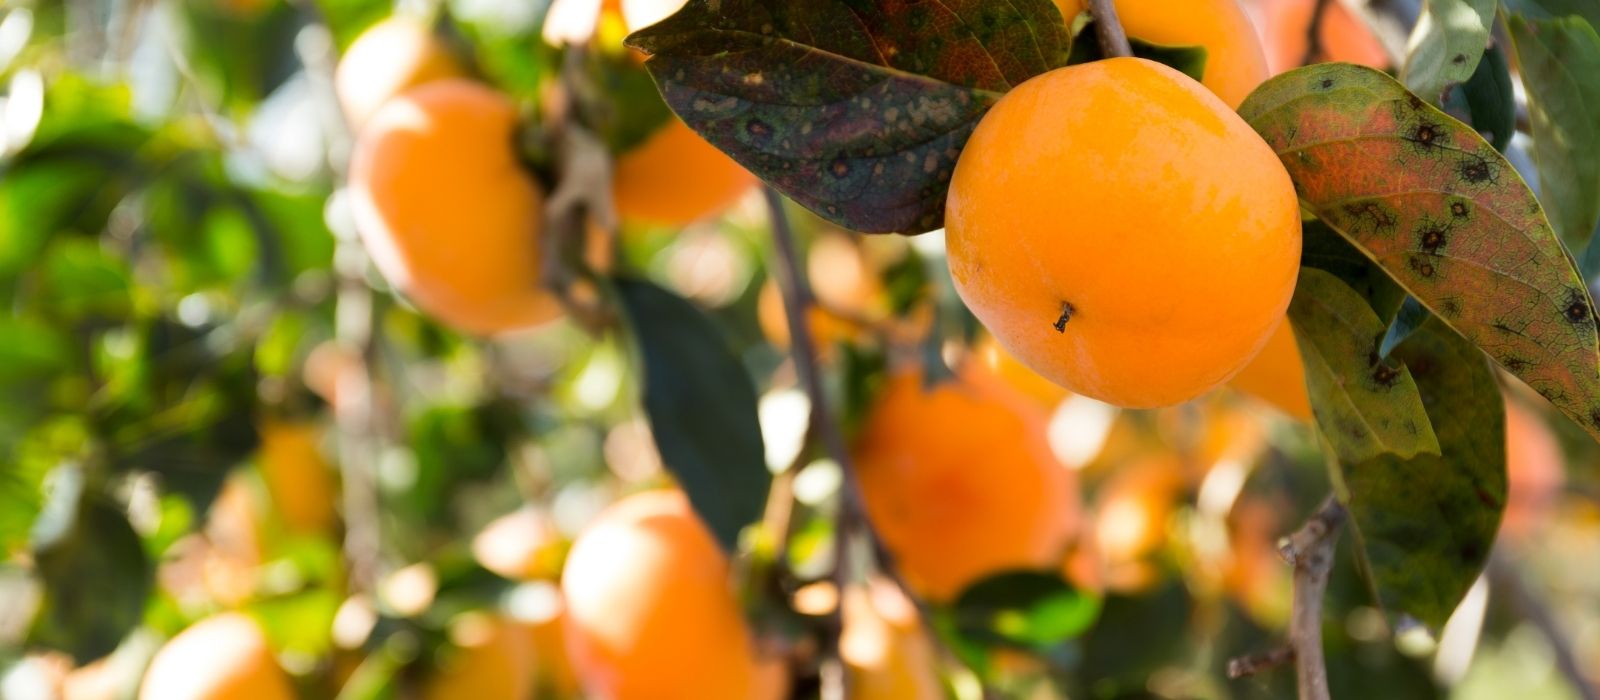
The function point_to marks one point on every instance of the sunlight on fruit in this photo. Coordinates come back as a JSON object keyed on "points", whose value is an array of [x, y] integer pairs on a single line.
{"points": [[222, 657], [409, 590], [521, 545]]}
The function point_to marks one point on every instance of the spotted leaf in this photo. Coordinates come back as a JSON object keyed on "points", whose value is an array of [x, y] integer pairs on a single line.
{"points": [[1365, 405], [1427, 199], [1426, 524], [856, 109]]}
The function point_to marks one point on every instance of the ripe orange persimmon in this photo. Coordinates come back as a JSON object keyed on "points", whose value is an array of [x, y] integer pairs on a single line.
{"points": [[1285, 27], [447, 211], [298, 479], [1535, 472], [993, 357], [676, 177], [960, 482], [1234, 61], [387, 59], [523, 545], [651, 612], [1277, 375], [885, 646], [1123, 233], [219, 658], [547, 640], [491, 661]]}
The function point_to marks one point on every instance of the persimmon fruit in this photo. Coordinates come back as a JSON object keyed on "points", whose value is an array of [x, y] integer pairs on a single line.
{"points": [[1277, 375], [1122, 232], [651, 612], [219, 658], [676, 177], [388, 58], [959, 481], [1235, 64], [447, 211]]}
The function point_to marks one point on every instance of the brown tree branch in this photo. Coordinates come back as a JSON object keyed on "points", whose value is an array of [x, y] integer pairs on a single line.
{"points": [[1310, 551], [1108, 28], [1246, 666], [1504, 577]]}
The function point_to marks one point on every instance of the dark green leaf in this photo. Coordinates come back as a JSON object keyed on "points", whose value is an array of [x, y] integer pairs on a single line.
{"points": [[1560, 62], [1449, 41], [1443, 213], [1426, 524], [1487, 101], [1365, 406], [1549, 9], [95, 576], [702, 408], [855, 110], [1324, 249], [620, 101], [1024, 609]]}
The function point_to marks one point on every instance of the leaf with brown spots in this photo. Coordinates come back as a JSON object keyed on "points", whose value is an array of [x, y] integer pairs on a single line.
{"points": [[856, 109], [1425, 525], [1427, 199], [1365, 406]]}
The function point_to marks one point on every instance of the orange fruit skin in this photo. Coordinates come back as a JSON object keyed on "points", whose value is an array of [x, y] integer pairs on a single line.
{"points": [[223, 657], [1235, 64], [959, 481], [547, 640], [651, 614], [1286, 24], [993, 357], [1535, 472], [496, 665], [885, 648], [523, 545], [447, 212], [676, 178], [1277, 375], [1123, 189], [390, 57], [300, 482]]}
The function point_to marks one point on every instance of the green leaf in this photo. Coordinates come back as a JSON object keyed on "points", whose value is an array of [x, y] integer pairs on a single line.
{"points": [[1447, 44], [1487, 100], [855, 110], [37, 201], [1447, 217], [1426, 524], [1365, 406], [1324, 249], [702, 408], [82, 280], [1023, 609], [95, 575], [1560, 62], [619, 100], [1550, 9]]}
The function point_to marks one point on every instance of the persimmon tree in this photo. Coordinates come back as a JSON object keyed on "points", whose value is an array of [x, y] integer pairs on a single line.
{"points": [[854, 349]]}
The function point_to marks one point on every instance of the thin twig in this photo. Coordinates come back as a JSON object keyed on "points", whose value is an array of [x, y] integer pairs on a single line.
{"points": [[1250, 665], [1314, 32], [797, 299], [1108, 28], [1310, 551], [1504, 577]]}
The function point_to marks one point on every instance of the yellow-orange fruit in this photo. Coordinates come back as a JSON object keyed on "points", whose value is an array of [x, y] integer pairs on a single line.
{"points": [[1277, 375], [446, 210], [390, 57], [651, 614], [1130, 519], [994, 358], [547, 641], [523, 545], [1285, 28], [299, 481], [1535, 472], [827, 330], [639, 14], [885, 647], [676, 178], [960, 482], [223, 657], [1123, 233], [1235, 64], [492, 661]]}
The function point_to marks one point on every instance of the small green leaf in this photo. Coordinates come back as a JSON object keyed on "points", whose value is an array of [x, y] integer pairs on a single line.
{"points": [[1487, 101], [1560, 59], [1444, 214], [95, 575], [1426, 524], [702, 408], [1365, 406], [1024, 609], [1447, 44], [856, 110]]}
